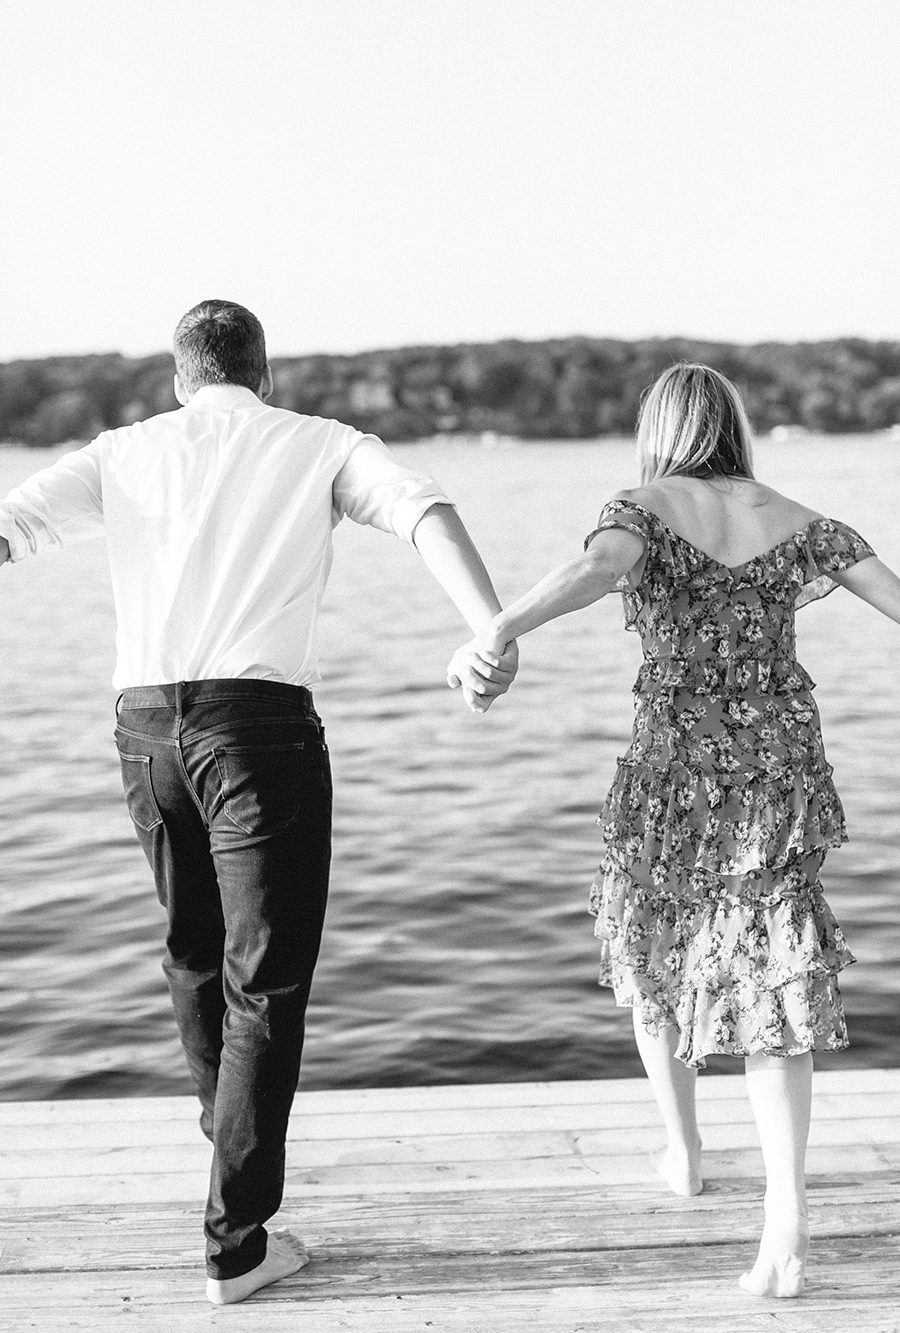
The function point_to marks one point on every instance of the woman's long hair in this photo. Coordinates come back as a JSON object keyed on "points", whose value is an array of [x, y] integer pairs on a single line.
{"points": [[693, 424]]}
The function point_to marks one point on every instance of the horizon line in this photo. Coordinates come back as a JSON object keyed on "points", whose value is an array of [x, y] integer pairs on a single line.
{"points": [[490, 342]]}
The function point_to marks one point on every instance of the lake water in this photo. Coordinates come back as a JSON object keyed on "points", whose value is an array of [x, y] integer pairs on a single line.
{"points": [[457, 946]]}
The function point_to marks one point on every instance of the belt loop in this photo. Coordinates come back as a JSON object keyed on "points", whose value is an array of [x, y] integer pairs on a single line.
{"points": [[119, 702], [179, 687]]}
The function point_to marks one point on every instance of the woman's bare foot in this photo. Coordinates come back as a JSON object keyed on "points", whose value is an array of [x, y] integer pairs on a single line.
{"points": [[680, 1169], [285, 1254], [780, 1267]]}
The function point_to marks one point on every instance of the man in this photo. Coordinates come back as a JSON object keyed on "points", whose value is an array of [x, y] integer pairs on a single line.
{"points": [[218, 519]]}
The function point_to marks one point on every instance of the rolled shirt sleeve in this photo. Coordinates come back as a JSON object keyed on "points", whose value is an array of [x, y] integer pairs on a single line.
{"points": [[57, 506], [372, 487]]}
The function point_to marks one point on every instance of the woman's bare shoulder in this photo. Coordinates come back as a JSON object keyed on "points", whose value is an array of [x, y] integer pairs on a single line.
{"points": [[667, 500], [792, 510], [636, 495], [656, 496]]}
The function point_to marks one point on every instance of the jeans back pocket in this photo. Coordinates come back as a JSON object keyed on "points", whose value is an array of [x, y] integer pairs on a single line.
{"points": [[262, 785], [139, 795]]}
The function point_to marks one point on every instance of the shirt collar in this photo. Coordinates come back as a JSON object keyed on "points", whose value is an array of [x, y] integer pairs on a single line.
{"points": [[224, 396]]}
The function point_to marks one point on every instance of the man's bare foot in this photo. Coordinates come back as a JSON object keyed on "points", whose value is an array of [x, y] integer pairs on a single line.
{"points": [[680, 1169], [780, 1267], [285, 1254]]}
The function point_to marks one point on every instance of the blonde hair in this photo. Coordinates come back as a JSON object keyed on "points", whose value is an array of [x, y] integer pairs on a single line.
{"points": [[692, 423]]}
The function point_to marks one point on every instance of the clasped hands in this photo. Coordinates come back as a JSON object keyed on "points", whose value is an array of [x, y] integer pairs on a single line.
{"points": [[483, 668]]}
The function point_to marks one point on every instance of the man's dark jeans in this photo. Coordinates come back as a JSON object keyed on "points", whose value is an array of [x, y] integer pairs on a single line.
{"points": [[229, 788]]}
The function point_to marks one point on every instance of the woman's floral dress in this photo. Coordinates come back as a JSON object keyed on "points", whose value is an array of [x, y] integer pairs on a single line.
{"points": [[710, 912]]}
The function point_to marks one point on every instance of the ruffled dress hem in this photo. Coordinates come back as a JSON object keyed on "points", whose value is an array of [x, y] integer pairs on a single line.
{"points": [[807, 1015]]}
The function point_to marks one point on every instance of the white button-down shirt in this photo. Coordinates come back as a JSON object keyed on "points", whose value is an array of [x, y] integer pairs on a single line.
{"points": [[218, 521]]}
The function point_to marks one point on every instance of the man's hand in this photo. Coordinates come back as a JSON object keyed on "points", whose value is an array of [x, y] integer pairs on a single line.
{"points": [[482, 674]]}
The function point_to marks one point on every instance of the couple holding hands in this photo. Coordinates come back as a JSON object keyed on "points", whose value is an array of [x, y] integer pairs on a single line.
{"points": [[711, 920]]}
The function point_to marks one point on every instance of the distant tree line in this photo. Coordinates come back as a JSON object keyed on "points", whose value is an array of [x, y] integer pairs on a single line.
{"points": [[564, 388]]}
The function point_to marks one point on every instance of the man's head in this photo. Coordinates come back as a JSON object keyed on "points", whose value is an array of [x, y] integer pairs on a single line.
{"points": [[219, 342]]}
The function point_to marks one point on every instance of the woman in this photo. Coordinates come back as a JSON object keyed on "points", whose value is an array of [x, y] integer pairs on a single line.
{"points": [[710, 913]]}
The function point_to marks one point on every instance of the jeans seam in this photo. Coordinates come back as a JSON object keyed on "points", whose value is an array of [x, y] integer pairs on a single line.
{"points": [[249, 723], [189, 784], [143, 736], [216, 698], [256, 749]]}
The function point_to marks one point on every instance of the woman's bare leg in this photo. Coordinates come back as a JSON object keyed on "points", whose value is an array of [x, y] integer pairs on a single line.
{"points": [[780, 1089], [674, 1087]]}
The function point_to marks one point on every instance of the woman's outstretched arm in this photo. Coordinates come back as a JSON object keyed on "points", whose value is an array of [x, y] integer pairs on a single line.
{"points": [[875, 583], [570, 587]]}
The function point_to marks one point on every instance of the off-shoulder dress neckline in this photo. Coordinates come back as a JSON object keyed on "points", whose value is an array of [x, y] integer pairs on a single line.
{"points": [[732, 569]]}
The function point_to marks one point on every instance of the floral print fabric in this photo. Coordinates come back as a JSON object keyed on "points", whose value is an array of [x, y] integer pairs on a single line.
{"points": [[709, 906]]}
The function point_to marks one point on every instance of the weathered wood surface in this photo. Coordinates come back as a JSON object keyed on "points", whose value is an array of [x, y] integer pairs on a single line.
{"points": [[513, 1208]]}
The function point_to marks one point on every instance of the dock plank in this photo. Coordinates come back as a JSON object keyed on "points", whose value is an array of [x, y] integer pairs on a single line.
{"points": [[178, 1126], [45, 1240], [469, 1096], [98, 1158], [573, 1290], [428, 1177]]}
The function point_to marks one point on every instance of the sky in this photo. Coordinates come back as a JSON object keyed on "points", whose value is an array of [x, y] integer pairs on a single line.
{"points": [[378, 173]]}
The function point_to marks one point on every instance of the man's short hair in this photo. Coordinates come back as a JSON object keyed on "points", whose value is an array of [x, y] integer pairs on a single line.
{"points": [[219, 342]]}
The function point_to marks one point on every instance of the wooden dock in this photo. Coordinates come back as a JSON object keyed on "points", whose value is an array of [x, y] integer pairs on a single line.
{"points": [[499, 1208]]}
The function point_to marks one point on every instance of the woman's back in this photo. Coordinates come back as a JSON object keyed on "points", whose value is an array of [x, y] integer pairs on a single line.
{"points": [[720, 690], [732, 520]]}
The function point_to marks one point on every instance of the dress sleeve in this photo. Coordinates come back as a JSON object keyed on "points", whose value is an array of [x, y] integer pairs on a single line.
{"points": [[832, 547], [621, 514]]}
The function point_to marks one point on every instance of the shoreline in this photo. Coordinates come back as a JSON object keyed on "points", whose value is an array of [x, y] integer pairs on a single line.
{"points": [[567, 388]]}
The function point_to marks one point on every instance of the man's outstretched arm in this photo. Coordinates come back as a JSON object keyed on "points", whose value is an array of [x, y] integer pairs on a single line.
{"points": [[372, 487], [449, 553], [59, 505]]}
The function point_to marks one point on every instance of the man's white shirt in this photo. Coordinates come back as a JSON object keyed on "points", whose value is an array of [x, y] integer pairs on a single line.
{"points": [[218, 520]]}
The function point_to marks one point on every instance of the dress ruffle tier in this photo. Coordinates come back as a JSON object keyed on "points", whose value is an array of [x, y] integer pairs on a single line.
{"points": [[710, 911], [690, 819]]}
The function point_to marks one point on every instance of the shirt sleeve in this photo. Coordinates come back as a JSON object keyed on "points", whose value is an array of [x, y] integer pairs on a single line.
{"points": [[372, 487], [57, 506]]}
